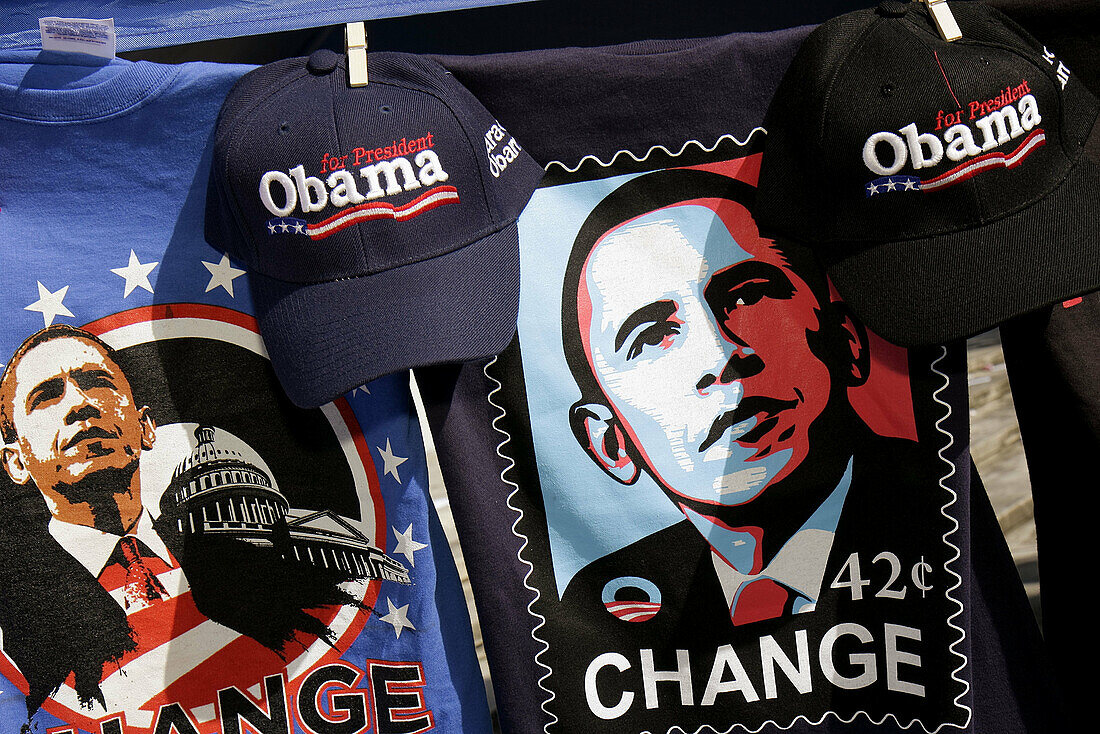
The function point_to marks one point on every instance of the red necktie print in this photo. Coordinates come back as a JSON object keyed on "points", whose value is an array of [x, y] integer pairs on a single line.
{"points": [[758, 600], [135, 572]]}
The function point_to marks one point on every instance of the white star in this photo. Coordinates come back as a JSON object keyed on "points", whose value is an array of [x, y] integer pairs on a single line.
{"points": [[271, 227], [299, 229], [222, 274], [910, 185], [136, 274], [872, 189], [398, 617], [406, 546], [890, 185], [284, 227], [50, 304], [391, 462]]}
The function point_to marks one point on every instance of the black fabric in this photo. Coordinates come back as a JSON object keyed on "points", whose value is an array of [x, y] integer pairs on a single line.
{"points": [[1001, 636], [647, 106], [883, 137], [1053, 361], [886, 483], [922, 291], [580, 102], [1051, 356], [1069, 27], [466, 429]]}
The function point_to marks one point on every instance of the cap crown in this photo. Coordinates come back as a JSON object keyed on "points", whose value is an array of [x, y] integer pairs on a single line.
{"points": [[314, 181], [882, 131]]}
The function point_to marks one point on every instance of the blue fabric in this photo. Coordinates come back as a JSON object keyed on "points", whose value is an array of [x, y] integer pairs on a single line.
{"points": [[110, 240], [172, 22]]}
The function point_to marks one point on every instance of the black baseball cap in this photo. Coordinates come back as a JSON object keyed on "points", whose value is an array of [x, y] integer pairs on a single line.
{"points": [[377, 223], [944, 185]]}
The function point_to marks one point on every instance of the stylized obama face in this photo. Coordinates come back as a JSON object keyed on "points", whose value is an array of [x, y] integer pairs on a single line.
{"points": [[704, 345], [69, 414]]}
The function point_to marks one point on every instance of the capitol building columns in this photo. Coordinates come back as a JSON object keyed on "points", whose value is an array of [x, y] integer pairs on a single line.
{"points": [[226, 492]]}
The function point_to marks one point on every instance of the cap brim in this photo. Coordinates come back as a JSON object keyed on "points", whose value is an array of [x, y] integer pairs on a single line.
{"points": [[325, 339], [938, 289]]}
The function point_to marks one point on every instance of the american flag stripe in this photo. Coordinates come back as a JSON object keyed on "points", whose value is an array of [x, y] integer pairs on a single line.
{"points": [[185, 653], [638, 616], [990, 160], [633, 605], [131, 686], [163, 621], [158, 621], [114, 580], [427, 201], [632, 611], [250, 662]]}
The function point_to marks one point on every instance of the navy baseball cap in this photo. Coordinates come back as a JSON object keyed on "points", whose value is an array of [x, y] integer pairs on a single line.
{"points": [[377, 223], [945, 186]]}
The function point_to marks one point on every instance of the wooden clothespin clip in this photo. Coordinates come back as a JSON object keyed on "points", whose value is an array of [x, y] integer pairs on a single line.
{"points": [[945, 21], [355, 40]]}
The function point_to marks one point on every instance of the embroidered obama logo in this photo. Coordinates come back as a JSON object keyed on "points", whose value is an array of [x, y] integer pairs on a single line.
{"points": [[170, 528]]}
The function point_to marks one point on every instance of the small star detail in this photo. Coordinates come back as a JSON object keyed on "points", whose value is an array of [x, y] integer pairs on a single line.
{"points": [[398, 617], [50, 305], [910, 185], [390, 462], [222, 274], [136, 274], [872, 189], [271, 227], [406, 546], [891, 185]]}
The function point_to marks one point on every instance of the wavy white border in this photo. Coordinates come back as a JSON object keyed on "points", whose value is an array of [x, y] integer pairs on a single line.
{"points": [[656, 148], [952, 498], [519, 553]]}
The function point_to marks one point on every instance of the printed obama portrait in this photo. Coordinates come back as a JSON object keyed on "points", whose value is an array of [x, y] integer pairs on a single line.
{"points": [[73, 431], [70, 426], [95, 577], [716, 363]]}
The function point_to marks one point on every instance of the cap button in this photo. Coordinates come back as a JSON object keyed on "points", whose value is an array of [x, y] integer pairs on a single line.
{"points": [[893, 8], [323, 61]]}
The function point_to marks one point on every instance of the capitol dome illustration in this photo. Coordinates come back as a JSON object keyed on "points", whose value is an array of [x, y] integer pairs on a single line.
{"points": [[222, 490], [225, 488]]}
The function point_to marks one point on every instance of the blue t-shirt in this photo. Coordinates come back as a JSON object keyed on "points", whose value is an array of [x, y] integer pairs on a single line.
{"points": [[181, 546]]}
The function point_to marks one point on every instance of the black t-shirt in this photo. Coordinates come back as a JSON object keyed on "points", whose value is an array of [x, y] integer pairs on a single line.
{"points": [[695, 494]]}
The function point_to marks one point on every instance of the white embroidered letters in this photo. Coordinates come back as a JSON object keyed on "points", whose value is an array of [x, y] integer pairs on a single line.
{"points": [[343, 187], [870, 153], [389, 169], [960, 142], [1008, 127], [917, 141], [340, 188], [430, 170], [499, 160], [289, 194], [923, 150], [307, 185]]}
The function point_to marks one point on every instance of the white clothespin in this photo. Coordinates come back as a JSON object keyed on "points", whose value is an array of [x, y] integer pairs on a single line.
{"points": [[945, 21], [355, 40]]}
